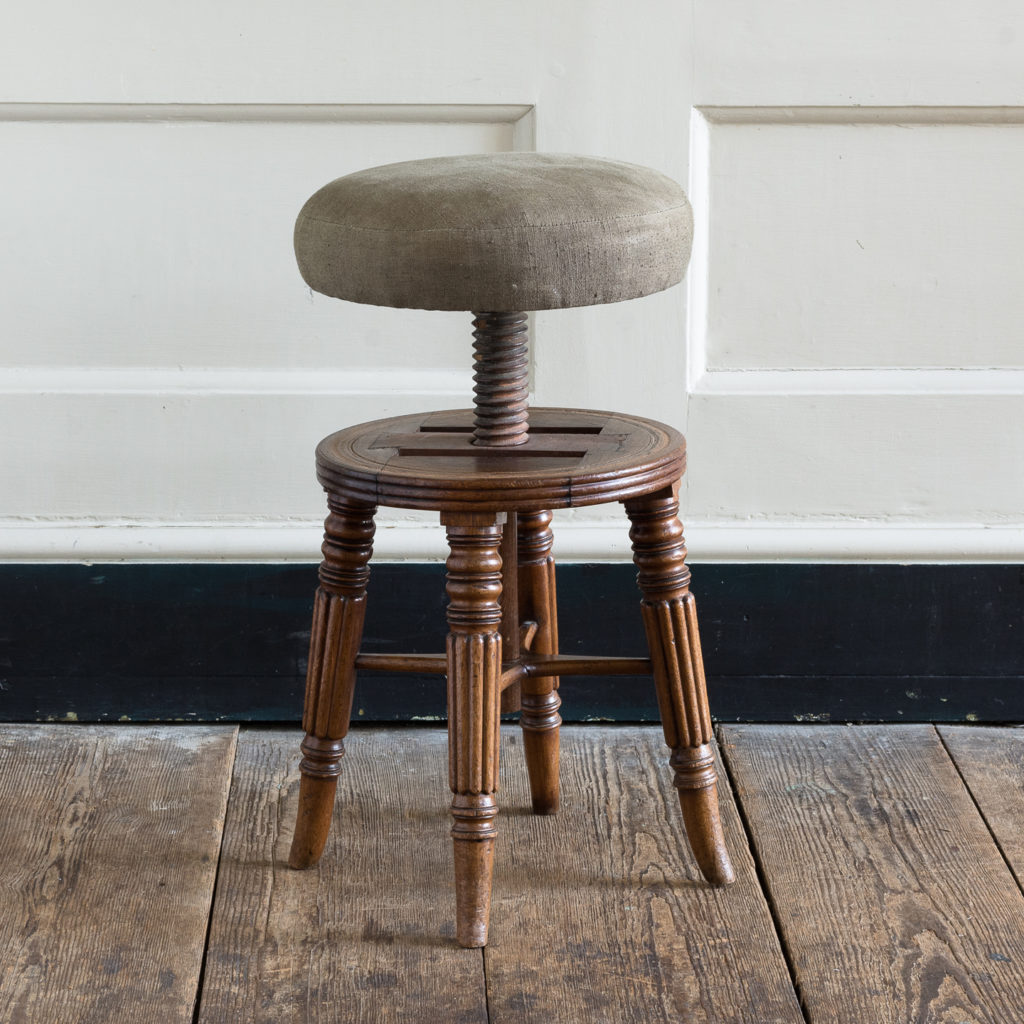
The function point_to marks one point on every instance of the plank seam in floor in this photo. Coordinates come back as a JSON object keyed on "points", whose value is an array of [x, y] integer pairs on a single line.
{"points": [[487, 994], [895, 904], [762, 879], [200, 980], [981, 812]]}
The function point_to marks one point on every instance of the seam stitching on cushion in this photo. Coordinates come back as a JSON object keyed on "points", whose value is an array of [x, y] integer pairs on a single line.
{"points": [[480, 231]]}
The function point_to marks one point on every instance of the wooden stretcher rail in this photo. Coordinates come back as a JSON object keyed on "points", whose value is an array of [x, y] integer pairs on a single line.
{"points": [[535, 665]]}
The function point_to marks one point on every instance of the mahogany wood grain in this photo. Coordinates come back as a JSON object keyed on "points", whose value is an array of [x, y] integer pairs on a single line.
{"points": [[421, 664], [597, 457], [540, 701], [339, 611], [478, 468], [510, 678], [511, 630], [367, 934], [605, 916], [109, 837], [474, 707], [670, 621], [991, 762], [530, 664], [586, 665], [527, 631], [894, 903]]}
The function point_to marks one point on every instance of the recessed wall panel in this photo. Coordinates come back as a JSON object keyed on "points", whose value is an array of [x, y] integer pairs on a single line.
{"points": [[167, 241], [863, 240]]}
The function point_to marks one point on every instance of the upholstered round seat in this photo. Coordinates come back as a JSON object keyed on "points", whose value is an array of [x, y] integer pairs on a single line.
{"points": [[501, 231]]}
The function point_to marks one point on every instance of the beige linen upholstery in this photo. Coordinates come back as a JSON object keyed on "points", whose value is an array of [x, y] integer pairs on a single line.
{"points": [[500, 232]]}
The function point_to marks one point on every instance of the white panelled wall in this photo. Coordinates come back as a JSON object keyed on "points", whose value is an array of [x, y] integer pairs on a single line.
{"points": [[846, 358]]}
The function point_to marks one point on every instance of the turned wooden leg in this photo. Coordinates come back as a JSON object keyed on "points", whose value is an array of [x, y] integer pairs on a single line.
{"points": [[540, 701], [511, 695], [474, 667], [670, 621], [338, 614]]}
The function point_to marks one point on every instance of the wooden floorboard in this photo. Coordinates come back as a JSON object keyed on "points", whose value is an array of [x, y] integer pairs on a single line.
{"points": [[893, 899], [365, 936], [992, 764], [894, 903], [600, 913], [108, 851]]}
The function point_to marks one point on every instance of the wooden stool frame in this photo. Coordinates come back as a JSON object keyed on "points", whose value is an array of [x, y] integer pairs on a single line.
{"points": [[495, 473]]}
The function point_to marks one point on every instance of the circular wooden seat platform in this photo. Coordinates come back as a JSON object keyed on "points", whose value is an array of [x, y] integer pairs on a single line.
{"points": [[573, 457]]}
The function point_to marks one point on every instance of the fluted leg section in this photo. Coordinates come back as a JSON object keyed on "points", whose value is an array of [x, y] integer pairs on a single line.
{"points": [[474, 667], [511, 633], [338, 613], [540, 701], [670, 621]]}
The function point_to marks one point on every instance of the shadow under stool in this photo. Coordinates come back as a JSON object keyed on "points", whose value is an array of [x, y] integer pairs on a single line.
{"points": [[500, 234]]}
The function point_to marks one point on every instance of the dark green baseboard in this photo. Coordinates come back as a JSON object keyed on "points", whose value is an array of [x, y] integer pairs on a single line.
{"points": [[781, 643]]}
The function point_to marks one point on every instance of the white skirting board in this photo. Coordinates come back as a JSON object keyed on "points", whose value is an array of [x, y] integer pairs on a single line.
{"points": [[576, 541]]}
